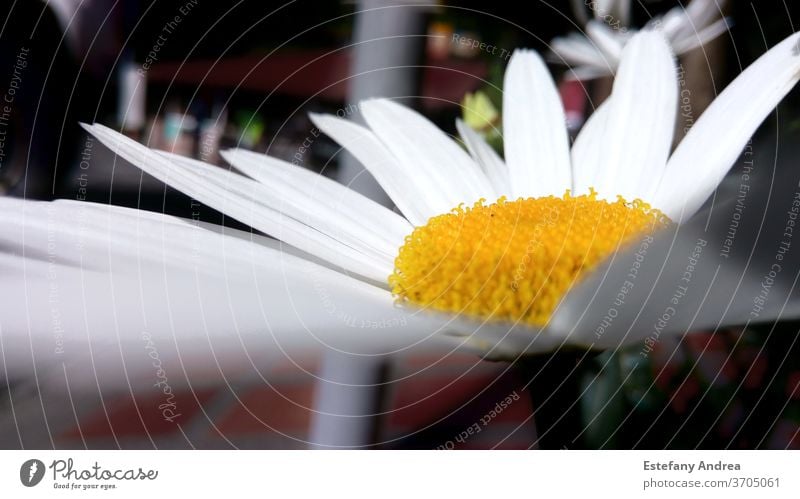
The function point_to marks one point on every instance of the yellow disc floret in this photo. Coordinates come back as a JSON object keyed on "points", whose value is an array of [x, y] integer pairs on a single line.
{"points": [[514, 260]]}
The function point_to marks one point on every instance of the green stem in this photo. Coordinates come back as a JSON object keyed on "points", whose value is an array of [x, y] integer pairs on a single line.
{"points": [[553, 383]]}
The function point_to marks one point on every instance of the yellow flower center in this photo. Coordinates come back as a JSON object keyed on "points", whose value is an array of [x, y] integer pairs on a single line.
{"points": [[514, 260]]}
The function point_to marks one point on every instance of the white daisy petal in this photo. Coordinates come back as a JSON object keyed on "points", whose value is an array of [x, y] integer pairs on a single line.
{"points": [[490, 162], [699, 13], [641, 119], [218, 307], [411, 188], [534, 129], [670, 24], [291, 202], [413, 139], [605, 39], [685, 28], [94, 221], [589, 149], [702, 37], [578, 50], [722, 131], [232, 197], [335, 196], [499, 341]]}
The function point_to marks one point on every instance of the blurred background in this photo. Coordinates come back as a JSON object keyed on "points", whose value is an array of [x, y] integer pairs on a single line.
{"points": [[196, 77]]}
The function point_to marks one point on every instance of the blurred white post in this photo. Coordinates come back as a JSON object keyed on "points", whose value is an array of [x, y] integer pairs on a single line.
{"points": [[346, 400], [389, 44], [349, 391], [132, 104]]}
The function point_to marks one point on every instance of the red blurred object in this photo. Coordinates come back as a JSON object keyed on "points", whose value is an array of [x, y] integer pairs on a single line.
{"points": [[574, 97]]}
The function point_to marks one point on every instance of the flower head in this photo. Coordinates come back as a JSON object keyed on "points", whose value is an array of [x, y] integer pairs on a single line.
{"points": [[597, 53], [494, 243], [514, 260]]}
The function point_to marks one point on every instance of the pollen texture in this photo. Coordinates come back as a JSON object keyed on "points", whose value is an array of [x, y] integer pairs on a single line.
{"points": [[514, 260]]}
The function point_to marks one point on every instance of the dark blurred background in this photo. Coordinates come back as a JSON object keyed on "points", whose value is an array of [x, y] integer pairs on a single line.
{"points": [[247, 73]]}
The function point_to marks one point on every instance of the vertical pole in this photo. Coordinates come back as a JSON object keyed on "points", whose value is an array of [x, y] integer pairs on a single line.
{"points": [[388, 45], [347, 399], [388, 42]]}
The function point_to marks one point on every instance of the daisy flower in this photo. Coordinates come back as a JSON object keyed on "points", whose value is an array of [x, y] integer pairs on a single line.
{"points": [[485, 252], [598, 53]]}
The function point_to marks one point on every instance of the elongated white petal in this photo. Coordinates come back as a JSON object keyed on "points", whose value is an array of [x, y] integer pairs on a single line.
{"points": [[682, 24], [641, 119], [335, 196], [534, 129], [410, 187], [577, 50], [228, 305], [722, 131], [236, 197], [505, 342], [699, 14], [702, 37], [589, 149], [605, 39], [413, 139], [105, 222], [672, 24], [483, 154], [289, 201]]}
